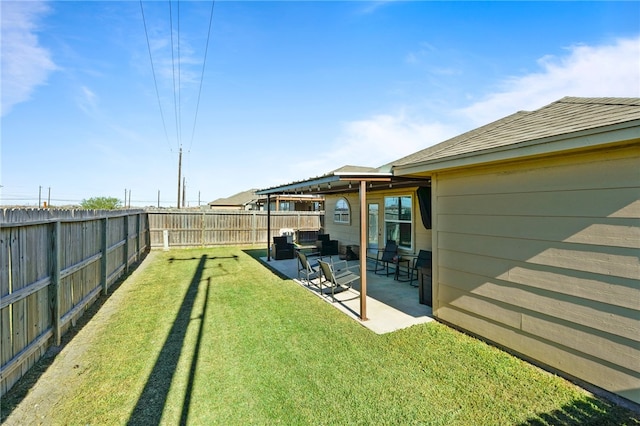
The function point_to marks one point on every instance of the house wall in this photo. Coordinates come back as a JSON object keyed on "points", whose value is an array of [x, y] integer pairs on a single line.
{"points": [[542, 257], [346, 234], [350, 234]]}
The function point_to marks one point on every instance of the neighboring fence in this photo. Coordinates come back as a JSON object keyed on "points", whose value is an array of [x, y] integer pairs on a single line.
{"points": [[226, 227], [53, 265]]}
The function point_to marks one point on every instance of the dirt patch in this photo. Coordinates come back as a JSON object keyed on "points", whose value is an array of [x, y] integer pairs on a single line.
{"points": [[31, 399]]}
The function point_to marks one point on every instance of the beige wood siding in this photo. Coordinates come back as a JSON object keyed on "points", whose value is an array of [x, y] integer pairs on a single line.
{"points": [[543, 258], [346, 234]]}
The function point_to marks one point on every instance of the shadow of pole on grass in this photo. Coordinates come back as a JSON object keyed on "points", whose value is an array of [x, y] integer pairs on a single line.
{"points": [[151, 402], [194, 360], [591, 412]]}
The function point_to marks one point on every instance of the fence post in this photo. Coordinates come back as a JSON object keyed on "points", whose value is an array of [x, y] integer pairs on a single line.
{"points": [[202, 229], [105, 255], [126, 244], [254, 228], [138, 230], [54, 289]]}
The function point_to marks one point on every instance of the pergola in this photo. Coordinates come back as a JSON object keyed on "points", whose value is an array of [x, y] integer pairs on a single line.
{"points": [[348, 179]]}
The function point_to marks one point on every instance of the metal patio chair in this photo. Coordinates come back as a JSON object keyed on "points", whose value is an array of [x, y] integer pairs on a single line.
{"points": [[421, 262], [384, 257], [336, 279], [311, 269]]}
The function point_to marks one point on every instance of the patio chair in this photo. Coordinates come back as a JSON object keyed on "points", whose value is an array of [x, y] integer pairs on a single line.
{"points": [[423, 261], [336, 279], [282, 249], [388, 255], [310, 269]]}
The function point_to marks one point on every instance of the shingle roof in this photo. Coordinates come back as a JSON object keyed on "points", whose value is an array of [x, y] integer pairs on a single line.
{"points": [[239, 199], [567, 115], [352, 169]]}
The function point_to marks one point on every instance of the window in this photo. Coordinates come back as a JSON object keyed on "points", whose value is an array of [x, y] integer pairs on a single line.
{"points": [[398, 220], [285, 206], [342, 214]]}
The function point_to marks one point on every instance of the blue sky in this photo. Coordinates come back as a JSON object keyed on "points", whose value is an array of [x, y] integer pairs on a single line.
{"points": [[289, 89]]}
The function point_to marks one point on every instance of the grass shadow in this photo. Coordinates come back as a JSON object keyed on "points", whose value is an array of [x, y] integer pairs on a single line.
{"points": [[593, 411], [258, 254], [152, 400], [22, 387]]}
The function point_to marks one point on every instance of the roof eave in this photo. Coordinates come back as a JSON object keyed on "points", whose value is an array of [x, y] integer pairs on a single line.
{"points": [[326, 180], [585, 139]]}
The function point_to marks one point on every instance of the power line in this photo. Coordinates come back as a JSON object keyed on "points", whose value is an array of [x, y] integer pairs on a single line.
{"points": [[179, 80], [155, 81], [173, 70], [177, 92], [177, 87], [206, 49]]}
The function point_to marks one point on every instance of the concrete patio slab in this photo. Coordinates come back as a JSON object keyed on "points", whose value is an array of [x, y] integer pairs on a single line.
{"points": [[391, 305]]}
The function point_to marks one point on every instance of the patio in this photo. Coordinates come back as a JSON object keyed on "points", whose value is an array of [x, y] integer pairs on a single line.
{"points": [[391, 304]]}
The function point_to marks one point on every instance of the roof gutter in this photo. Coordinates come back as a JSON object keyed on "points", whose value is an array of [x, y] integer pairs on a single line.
{"points": [[325, 180], [592, 138]]}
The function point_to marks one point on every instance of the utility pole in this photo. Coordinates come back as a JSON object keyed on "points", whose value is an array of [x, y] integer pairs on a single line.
{"points": [[158, 198], [124, 203], [49, 198], [184, 192], [129, 198], [179, 174], [39, 196]]}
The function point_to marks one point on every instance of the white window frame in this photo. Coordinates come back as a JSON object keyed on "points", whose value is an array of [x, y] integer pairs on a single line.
{"points": [[342, 215], [390, 220]]}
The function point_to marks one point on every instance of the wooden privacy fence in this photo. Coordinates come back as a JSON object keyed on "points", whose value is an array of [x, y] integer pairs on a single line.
{"points": [[53, 265], [178, 228]]}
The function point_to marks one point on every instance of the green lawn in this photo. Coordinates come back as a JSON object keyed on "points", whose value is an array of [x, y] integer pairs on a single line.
{"points": [[213, 337]]}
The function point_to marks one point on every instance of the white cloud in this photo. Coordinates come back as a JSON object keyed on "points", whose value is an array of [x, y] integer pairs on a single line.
{"points": [[611, 70], [25, 64], [88, 101], [420, 55], [376, 141], [372, 6], [589, 71]]}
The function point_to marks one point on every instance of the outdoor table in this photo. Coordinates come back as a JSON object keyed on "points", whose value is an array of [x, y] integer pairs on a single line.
{"points": [[308, 249], [398, 262]]}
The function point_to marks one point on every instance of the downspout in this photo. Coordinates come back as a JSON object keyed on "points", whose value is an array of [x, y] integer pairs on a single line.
{"points": [[435, 246], [268, 227], [363, 250]]}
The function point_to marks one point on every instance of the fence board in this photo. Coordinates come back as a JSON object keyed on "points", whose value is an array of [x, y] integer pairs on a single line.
{"points": [[33, 309], [224, 227], [44, 291]]}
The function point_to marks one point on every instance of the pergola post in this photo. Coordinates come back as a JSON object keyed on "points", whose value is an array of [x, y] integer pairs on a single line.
{"points": [[268, 227], [363, 250]]}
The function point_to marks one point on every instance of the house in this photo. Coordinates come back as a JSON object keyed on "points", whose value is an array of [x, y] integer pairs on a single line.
{"points": [[534, 225], [249, 200], [294, 203], [246, 200]]}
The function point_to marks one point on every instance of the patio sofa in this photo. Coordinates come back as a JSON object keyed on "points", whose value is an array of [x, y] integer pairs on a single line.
{"points": [[326, 246], [282, 248]]}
